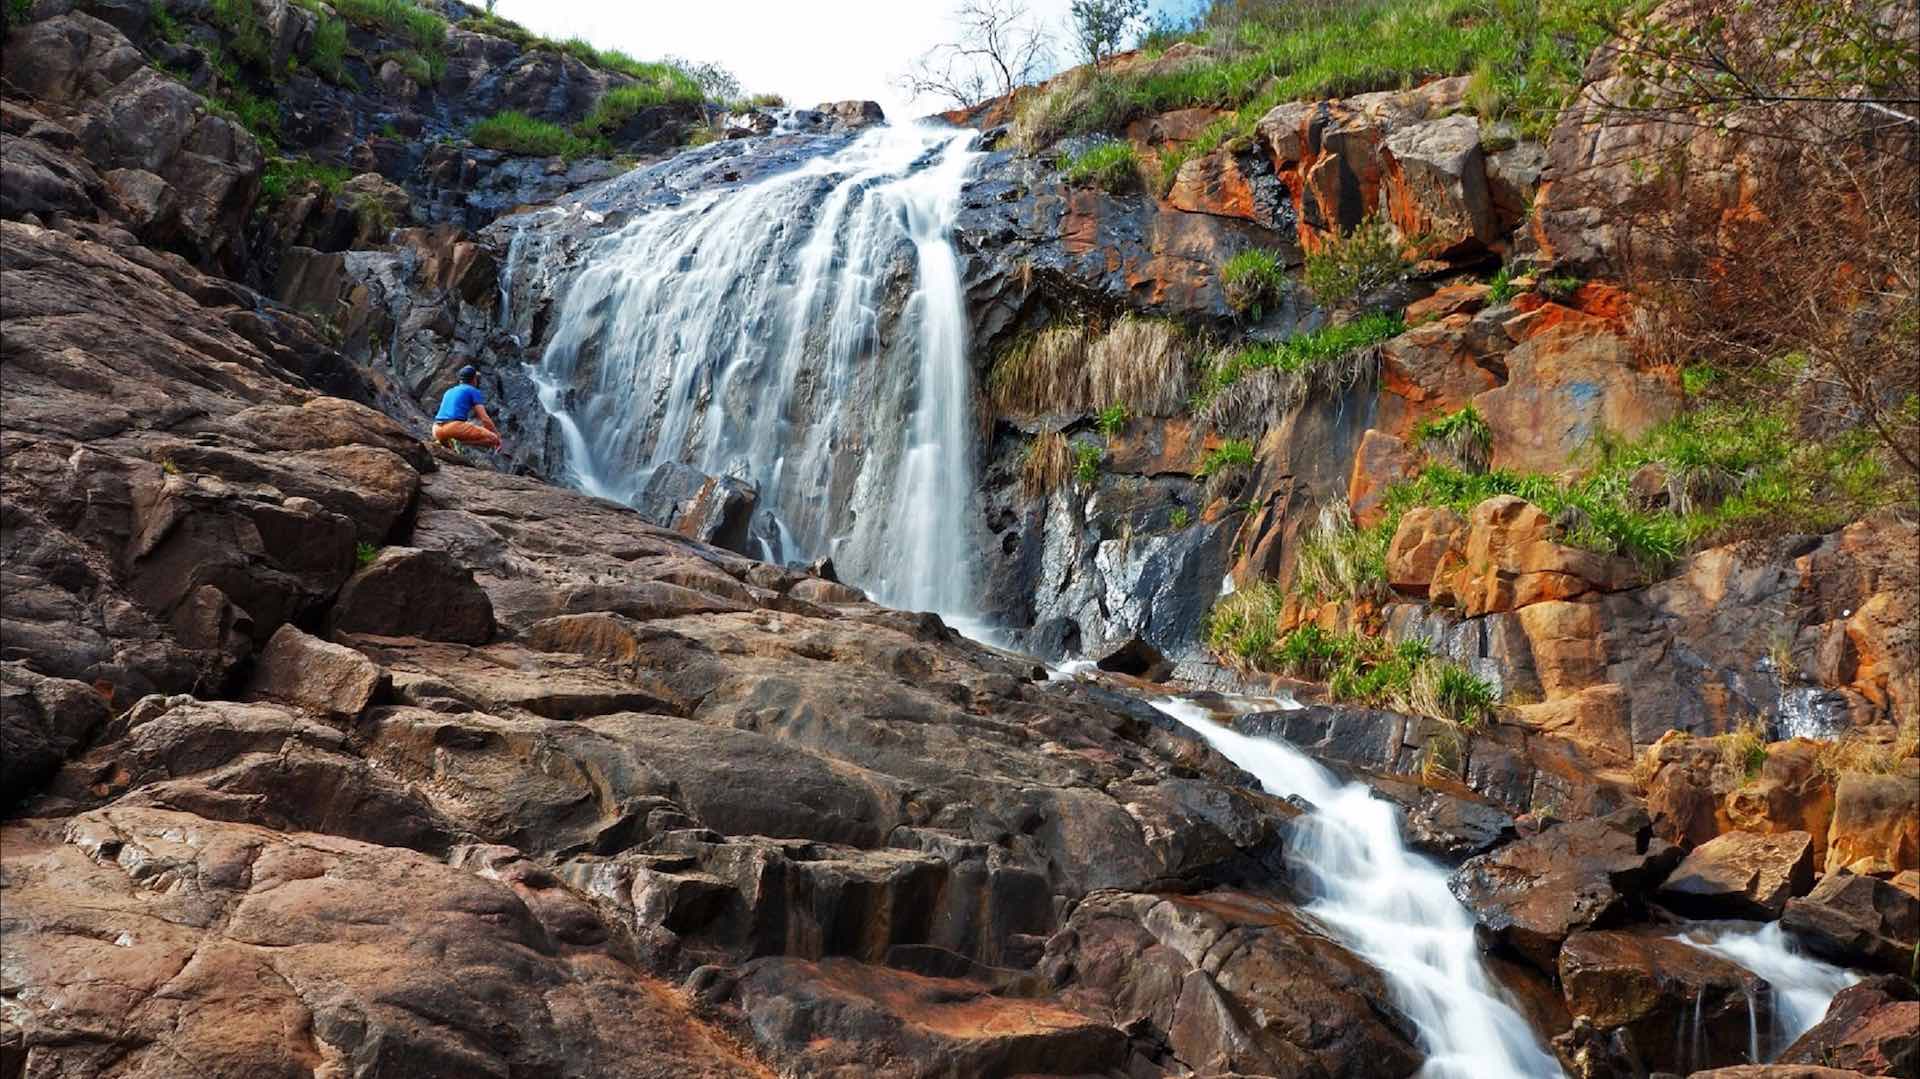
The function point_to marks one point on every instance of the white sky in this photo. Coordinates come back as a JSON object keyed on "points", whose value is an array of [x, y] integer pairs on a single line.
{"points": [[808, 51]]}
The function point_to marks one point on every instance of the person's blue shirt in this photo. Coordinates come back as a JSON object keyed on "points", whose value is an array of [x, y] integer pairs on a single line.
{"points": [[458, 403]]}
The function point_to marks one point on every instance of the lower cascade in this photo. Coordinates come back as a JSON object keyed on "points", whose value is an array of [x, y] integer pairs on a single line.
{"points": [[1803, 986], [806, 334], [1391, 907]]}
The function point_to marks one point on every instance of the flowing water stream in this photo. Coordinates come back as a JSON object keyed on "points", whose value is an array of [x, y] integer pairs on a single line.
{"points": [[1391, 907], [1803, 986], [806, 333]]}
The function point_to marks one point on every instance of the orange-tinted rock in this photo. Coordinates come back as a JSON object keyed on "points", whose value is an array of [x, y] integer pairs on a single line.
{"points": [[1650, 986], [1857, 921], [1511, 561], [1382, 461], [1564, 386], [1213, 184], [1429, 371], [1465, 298], [1792, 793], [1687, 788], [1876, 820], [1568, 651], [1594, 718], [1881, 635], [1425, 534], [1166, 129], [1437, 186]]}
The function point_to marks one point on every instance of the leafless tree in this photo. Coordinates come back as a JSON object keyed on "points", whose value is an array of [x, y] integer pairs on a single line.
{"points": [[999, 48]]}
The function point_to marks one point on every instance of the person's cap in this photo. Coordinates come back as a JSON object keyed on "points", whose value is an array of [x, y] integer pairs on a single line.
{"points": [[467, 372]]}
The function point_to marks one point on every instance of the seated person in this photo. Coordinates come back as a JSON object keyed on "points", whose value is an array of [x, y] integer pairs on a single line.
{"points": [[459, 407]]}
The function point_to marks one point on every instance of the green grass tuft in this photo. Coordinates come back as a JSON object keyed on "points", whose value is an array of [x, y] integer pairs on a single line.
{"points": [[1406, 676], [424, 29], [1500, 286], [1254, 280], [1231, 455], [1086, 463], [666, 85], [1112, 419], [283, 175], [518, 133], [1112, 166], [1462, 436], [1300, 355]]}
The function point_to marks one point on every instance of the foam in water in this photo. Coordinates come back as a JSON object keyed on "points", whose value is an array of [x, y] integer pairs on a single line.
{"points": [[1392, 908], [748, 332], [1803, 987]]}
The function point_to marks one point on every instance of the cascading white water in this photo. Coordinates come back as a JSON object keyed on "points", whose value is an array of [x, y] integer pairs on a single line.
{"points": [[806, 333], [1391, 907], [1803, 986]]}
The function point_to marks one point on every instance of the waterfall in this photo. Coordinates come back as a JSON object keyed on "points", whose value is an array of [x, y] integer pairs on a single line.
{"points": [[806, 333], [1802, 986], [1391, 907]]}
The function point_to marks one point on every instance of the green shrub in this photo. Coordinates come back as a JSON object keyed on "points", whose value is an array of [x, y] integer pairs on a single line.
{"points": [[1355, 265], [328, 53], [1560, 289], [424, 71], [1500, 286], [1243, 629], [1086, 463], [1463, 436], [282, 175], [165, 26], [518, 133], [1254, 280], [1111, 419], [245, 38], [259, 115], [16, 13], [365, 553], [667, 85], [1112, 166], [1180, 517]]}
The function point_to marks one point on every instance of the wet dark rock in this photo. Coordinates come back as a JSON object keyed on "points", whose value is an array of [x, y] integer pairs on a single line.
{"points": [[1683, 1008], [712, 509], [1530, 895], [1135, 657]]}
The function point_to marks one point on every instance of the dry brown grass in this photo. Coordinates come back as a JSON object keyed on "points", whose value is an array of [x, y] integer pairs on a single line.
{"points": [[1041, 117], [1042, 373], [1861, 752], [1140, 363], [1048, 465]]}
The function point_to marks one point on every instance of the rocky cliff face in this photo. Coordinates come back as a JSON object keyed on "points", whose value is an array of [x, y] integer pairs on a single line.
{"points": [[328, 751]]}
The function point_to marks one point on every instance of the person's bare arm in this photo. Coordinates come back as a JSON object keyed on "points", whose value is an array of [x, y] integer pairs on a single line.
{"points": [[485, 420]]}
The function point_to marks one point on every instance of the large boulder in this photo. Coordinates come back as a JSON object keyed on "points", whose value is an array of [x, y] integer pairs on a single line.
{"points": [[1858, 921], [1741, 875], [1425, 535], [304, 671], [1876, 821], [410, 592], [711, 509], [1437, 186], [1682, 1007], [1530, 895]]}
